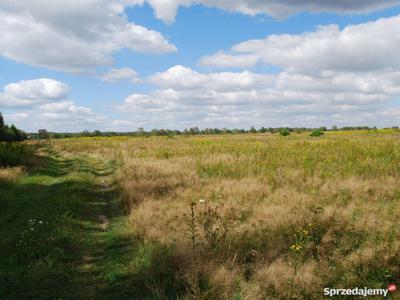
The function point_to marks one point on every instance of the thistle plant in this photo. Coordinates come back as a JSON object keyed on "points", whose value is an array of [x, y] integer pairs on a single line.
{"points": [[192, 228], [213, 225], [207, 222]]}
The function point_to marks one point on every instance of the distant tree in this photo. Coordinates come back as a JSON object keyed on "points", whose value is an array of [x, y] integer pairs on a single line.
{"points": [[140, 131], [194, 130], [252, 130], [85, 133]]}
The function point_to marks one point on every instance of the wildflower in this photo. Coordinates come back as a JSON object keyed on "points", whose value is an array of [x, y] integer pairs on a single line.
{"points": [[296, 247], [202, 201]]}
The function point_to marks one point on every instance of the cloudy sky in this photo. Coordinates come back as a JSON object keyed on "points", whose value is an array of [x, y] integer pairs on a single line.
{"points": [[122, 64]]}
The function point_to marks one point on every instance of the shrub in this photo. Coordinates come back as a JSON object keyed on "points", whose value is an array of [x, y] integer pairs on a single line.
{"points": [[317, 133], [284, 132]]}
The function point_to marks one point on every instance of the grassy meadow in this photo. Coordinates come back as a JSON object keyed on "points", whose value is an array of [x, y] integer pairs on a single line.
{"points": [[252, 216]]}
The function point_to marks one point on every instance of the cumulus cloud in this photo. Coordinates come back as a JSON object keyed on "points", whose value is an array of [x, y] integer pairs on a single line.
{"points": [[72, 119], [28, 93], [366, 47], [223, 60], [185, 97], [42, 103], [180, 77], [115, 75], [73, 36], [167, 9]]}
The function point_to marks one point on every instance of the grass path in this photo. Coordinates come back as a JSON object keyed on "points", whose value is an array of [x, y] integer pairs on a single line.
{"points": [[61, 231]]}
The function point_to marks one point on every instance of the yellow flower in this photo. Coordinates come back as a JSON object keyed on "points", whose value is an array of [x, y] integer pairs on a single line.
{"points": [[296, 247]]}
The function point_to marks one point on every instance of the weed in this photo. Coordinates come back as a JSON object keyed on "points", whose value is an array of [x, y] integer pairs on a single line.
{"points": [[192, 224], [213, 225]]}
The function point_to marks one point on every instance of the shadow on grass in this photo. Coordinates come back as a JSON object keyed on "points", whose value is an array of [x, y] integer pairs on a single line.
{"points": [[52, 247]]}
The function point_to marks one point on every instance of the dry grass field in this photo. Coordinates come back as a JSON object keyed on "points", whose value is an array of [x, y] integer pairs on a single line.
{"points": [[260, 216], [252, 216]]}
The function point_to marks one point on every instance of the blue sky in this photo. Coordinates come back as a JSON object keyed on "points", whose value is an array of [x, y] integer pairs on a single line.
{"points": [[124, 64]]}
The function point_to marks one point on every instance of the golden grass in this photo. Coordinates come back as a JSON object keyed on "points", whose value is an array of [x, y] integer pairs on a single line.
{"points": [[10, 175], [342, 189]]}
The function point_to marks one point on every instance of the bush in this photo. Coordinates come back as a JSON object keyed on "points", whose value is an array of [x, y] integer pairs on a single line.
{"points": [[317, 133], [284, 132]]}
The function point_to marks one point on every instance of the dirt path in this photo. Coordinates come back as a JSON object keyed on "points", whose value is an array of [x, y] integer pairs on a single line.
{"points": [[100, 207], [64, 233], [96, 240]]}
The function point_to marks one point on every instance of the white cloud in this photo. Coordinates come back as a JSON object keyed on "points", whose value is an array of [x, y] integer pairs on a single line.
{"points": [[72, 119], [366, 47], [32, 92], [187, 98], [179, 77], [42, 103], [74, 35], [115, 75], [64, 106], [167, 9], [222, 60]]}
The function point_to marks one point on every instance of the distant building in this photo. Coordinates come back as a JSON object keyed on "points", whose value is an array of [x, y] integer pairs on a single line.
{"points": [[43, 134]]}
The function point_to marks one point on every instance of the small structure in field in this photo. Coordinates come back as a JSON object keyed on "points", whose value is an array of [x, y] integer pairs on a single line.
{"points": [[43, 134]]}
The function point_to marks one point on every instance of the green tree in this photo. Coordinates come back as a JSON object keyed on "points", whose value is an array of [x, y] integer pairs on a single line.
{"points": [[10, 134], [2, 128], [1, 121], [16, 133]]}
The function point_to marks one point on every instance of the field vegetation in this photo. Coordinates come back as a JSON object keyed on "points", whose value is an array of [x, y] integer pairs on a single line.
{"points": [[252, 216]]}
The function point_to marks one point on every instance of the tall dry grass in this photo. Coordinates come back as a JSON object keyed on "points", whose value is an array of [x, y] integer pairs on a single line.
{"points": [[265, 217]]}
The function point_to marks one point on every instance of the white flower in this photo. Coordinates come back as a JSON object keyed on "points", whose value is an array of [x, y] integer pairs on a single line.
{"points": [[202, 201]]}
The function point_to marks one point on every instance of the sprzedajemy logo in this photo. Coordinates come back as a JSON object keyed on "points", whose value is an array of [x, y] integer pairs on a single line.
{"points": [[357, 291]]}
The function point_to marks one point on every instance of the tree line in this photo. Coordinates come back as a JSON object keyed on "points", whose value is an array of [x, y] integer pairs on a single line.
{"points": [[196, 131], [10, 133]]}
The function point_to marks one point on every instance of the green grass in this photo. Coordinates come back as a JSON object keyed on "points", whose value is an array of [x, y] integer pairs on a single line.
{"points": [[51, 245], [302, 213]]}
